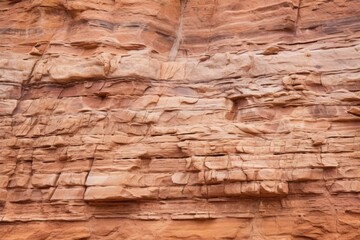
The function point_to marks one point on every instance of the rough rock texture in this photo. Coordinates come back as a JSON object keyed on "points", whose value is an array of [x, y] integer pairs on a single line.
{"points": [[175, 119]]}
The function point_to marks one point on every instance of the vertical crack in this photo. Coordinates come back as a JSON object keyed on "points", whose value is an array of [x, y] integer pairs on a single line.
{"points": [[232, 114], [92, 160], [178, 35]]}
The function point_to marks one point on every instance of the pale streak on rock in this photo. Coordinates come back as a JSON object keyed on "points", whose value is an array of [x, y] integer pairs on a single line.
{"points": [[179, 34]]}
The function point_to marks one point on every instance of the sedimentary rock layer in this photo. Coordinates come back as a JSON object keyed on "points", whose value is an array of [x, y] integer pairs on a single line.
{"points": [[179, 119]]}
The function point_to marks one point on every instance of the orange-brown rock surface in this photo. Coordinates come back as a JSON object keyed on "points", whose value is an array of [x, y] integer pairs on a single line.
{"points": [[179, 119]]}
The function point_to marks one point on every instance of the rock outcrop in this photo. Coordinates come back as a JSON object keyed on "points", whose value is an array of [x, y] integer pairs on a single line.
{"points": [[179, 119]]}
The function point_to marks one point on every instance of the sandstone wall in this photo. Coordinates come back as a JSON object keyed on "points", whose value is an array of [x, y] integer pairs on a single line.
{"points": [[179, 119]]}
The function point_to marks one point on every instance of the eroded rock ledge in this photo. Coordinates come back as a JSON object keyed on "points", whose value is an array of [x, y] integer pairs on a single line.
{"points": [[179, 119]]}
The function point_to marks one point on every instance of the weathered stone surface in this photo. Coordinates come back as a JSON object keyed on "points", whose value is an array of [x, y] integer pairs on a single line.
{"points": [[179, 119]]}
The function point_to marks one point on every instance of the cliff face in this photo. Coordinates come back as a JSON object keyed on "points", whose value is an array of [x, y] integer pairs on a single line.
{"points": [[175, 119]]}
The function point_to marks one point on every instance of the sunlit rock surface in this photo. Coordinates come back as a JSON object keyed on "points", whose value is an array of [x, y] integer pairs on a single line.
{"points": [[175, 119]]}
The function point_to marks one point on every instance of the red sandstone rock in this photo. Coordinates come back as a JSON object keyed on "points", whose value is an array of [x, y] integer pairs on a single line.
{"points": [[179, 119]]}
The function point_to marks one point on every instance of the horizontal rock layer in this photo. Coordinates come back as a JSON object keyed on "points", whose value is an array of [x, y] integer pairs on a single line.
{"points": [[203, 119]]}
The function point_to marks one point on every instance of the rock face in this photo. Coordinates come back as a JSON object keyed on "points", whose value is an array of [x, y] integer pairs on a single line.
{"points": [[175, 119]]}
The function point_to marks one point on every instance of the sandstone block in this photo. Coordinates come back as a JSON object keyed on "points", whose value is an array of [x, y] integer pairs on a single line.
{"points": [[117, 193], [342, 186], [272, 188], [250, 188], [43, 180], [7, 106], [70, 193], [72, 179], [236, 175]]}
